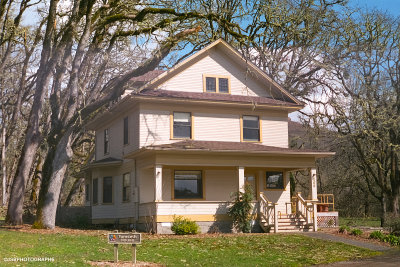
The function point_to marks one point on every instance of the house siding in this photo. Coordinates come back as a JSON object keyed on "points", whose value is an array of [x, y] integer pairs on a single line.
{"points": [[208, 125], [216, 127], [118, 209], [219, 184], [215, 63], [275, 130], [154, 127], [277, 196]]}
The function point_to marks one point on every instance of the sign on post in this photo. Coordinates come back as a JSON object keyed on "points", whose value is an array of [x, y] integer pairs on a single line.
{"points": [[124, 238]]}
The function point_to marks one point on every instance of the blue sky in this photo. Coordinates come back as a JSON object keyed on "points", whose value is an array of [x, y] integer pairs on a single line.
{"points": [[392, 6]]}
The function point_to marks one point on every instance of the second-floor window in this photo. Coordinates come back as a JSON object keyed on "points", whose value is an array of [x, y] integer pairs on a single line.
{"points": [[182, 125], [251, 128], [216, 84], [126, 131], [106, 141]]}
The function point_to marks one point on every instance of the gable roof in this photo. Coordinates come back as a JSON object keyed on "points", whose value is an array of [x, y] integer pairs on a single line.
{"points": [[234, 54]]}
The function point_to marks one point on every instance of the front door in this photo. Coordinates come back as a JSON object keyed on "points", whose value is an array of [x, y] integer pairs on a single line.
{"points": [[251, 179]]}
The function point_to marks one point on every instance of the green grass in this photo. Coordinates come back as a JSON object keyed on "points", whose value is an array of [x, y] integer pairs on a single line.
{"points": [[229, 250], [357, 222]]}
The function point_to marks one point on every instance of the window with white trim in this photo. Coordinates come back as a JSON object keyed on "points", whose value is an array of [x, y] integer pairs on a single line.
{"points": [[126, 186], [106, 141], [95, 190], [107, 190]]}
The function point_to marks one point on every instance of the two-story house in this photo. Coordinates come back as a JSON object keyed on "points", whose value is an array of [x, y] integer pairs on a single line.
{"points": [[189, 138]]}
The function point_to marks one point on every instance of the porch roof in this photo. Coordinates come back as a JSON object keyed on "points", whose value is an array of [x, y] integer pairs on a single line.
{"points": [[233, 147], [106, 162]]}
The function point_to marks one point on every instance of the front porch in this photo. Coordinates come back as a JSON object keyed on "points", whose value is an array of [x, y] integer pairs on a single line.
{"points": [[208, 196], [196, 179]]}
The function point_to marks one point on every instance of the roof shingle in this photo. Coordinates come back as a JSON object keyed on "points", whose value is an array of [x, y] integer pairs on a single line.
{"points": [[214, 97], [227, 146]]}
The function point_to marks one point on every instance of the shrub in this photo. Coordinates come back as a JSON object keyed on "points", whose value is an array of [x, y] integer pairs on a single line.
{"points": [[393, 225], [240, 211], [184, 226], [356, 232], [377, 235], [344, 229], [392, 239]]}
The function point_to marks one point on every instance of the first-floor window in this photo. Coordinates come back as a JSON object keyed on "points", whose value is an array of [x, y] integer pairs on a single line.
{"points": [[126, 186], [95, 190], [188, 185], [107, 190], [87, 195], [275, 180]]}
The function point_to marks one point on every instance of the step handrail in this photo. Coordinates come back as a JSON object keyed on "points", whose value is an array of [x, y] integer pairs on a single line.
{"points": [[265, 208], [306, 208]]}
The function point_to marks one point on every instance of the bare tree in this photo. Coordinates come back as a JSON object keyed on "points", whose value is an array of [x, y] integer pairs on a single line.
{"points": [[363, 107]]}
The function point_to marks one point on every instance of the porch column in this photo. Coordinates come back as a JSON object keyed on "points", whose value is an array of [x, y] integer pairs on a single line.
{"points": [[241, 178], [314, 196], [313, 184], [158, 183]]}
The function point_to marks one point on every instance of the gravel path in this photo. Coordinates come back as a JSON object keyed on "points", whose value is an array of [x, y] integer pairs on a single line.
{"points": [[389, 258]]}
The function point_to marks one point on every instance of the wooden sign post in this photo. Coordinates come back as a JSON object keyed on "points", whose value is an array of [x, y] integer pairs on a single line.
{"points": [[124, 238]]}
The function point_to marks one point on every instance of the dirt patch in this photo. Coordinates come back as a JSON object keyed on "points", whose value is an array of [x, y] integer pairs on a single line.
{"points": [[27, 228], [124, 263]]}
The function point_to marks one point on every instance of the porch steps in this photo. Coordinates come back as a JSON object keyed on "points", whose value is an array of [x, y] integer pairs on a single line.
{"points": [[288, 223]]}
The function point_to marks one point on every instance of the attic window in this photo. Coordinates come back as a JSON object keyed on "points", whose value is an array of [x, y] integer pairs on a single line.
{"points": [[216, 84]]}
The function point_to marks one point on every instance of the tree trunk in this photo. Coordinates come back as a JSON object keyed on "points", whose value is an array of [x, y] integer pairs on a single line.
{"points": [[384, 211], [74, 190], [394, 205], [366, 204], [33, 136], [4, 167], [52, 180]]}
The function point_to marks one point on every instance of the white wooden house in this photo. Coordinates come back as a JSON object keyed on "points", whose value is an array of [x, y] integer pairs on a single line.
{"points": [[187, 139]]}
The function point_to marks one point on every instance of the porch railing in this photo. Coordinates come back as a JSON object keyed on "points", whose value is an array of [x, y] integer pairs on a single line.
{"points": [[307, 210], [326, 202], [268, 213]]}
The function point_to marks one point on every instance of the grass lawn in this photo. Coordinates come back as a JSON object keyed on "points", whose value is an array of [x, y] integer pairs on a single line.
{"points": [[224, 250], [356, 222]]}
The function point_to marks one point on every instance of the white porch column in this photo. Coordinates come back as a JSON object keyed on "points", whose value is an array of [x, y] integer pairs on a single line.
{"points": [[241, 178], [158, 183], [314, 196], [313, 184]]}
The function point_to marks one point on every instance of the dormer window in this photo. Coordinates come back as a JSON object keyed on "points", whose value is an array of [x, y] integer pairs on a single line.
{"points": [[216, 84]]}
